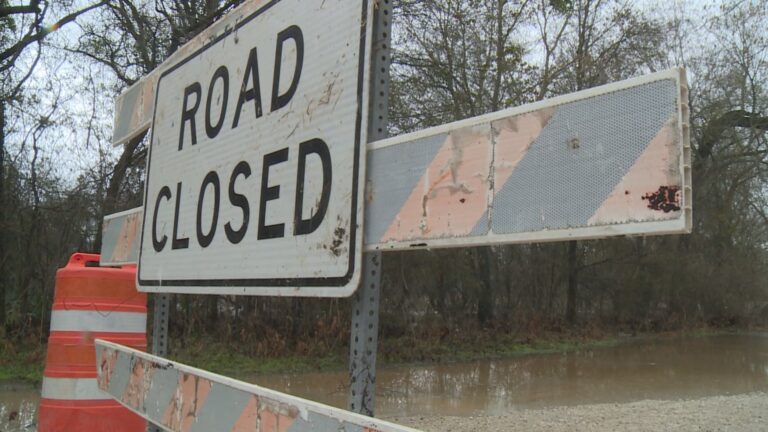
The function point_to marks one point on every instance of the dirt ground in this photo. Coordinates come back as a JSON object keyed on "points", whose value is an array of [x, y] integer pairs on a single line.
{"points": [[740, 413]]}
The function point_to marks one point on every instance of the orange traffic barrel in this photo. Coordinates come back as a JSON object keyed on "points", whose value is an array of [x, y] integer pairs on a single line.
{"points": [[89, 302]]}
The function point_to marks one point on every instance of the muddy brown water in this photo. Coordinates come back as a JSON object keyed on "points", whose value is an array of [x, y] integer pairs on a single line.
{"points": [[662, 369]]}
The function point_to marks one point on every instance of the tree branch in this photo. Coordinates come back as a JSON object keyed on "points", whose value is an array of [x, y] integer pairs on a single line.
{"points": [[22, 9], [43, 32], [736, 118]]}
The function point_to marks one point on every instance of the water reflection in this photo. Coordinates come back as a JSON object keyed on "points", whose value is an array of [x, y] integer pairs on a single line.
{"points": [[18, 407], [675, 368], [679, 368]]}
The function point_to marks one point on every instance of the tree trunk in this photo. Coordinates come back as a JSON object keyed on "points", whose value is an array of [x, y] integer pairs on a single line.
{"points": [[573, 282], [2, 217], [485, 299], [113, 189], [212, 314]]}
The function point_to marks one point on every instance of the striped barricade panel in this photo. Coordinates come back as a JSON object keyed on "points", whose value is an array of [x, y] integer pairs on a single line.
{"points": [[613, 160], [181, 398], [609, 161], [121, 234]]}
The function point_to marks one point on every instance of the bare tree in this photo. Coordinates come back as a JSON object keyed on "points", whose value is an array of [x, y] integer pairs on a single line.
{"points": [[131, 39]]}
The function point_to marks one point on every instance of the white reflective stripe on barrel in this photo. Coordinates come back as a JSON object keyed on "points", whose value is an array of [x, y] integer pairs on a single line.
{"points": [[98, 321], [72, 389]]}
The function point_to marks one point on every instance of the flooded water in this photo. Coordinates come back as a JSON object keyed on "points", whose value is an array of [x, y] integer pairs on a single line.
{"points": [[663, 369], [679, 368], [18, 406]]}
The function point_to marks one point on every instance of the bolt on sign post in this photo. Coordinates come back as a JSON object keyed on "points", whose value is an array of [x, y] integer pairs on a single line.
{"points": [[256, 153]]}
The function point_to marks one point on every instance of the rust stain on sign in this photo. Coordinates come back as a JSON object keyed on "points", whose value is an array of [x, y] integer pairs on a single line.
{"points": [[655, 166], [666, 199]]}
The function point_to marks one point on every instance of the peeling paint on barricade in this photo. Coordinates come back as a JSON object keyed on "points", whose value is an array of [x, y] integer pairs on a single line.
{"points": [[579, 166], [121, 237], [134, 394], [513, 137], [249, 418], [276, 418], [452, 192], [191, 395], [128, 234], [199, 401], [107, 362]]}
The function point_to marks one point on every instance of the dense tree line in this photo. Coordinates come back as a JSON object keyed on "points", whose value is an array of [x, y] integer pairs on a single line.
{"points": [[452, 59]]}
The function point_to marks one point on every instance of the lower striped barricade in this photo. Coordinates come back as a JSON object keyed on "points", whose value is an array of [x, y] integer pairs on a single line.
{"points": [[181, 398]]}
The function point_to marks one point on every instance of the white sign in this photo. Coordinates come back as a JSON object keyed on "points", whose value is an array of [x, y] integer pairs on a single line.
{"points": [[257, 149]]}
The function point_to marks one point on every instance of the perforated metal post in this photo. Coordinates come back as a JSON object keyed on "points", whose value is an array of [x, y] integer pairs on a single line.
{"points": [[160, 325], [365, 337], [160, 333], [365, 311]]}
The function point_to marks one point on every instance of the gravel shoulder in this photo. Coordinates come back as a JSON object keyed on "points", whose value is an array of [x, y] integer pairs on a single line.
{"points": [[739, 413]]}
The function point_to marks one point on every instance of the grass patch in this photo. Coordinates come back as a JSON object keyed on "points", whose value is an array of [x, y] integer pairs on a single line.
{"points": [[423, 350], [25, 363], [222, 359]]}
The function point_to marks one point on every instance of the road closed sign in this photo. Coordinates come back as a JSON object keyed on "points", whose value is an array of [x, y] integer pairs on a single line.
{"points": [[256, 154]]}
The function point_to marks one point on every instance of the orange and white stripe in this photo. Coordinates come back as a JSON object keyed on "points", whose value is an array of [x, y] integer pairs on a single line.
{"points": [[89, 302]]}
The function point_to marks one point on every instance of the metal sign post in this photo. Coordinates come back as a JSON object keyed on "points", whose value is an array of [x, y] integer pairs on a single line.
{"points": [[160, 317], [364, 335]]}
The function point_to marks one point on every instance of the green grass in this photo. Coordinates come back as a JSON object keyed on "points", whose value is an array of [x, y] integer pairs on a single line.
{"points": [[23, 372], [222, 359], [218, 358], [421, 350], [23, 363], [27, 363]]}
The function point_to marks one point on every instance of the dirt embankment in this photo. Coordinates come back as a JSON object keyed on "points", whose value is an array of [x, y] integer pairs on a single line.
{"points": [[740, 413]]}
